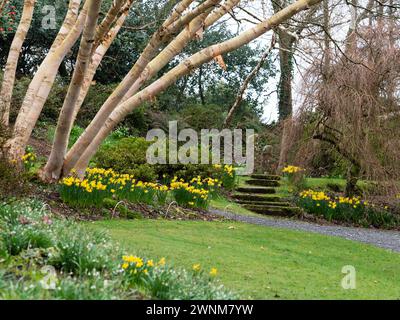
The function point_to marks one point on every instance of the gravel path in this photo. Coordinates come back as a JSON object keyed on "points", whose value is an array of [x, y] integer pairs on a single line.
{"points": [[384, 239]]}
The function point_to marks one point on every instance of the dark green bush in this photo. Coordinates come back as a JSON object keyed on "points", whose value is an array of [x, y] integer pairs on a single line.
{"points": [[127, 155], [202, 116], [123, 154], [144, 172]]}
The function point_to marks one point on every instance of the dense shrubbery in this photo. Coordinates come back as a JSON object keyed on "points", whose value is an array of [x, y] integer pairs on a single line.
{"points": [[42, 257], [127, 155], [199, 116], [349, 210]]}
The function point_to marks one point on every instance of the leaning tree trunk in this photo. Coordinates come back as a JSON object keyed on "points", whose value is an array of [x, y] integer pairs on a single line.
{"points": [[12, 62], [197, 27], [53, 168], [42, 83], [96, 60], [139, 71], [183, 69]]}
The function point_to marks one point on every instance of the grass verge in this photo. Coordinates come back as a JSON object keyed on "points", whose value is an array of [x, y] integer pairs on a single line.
{"points": [[265, 263]]}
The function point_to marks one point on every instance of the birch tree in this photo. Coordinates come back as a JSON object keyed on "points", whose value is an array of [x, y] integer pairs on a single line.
{"points": [[12, 62], [206, 55], [187, 21]]}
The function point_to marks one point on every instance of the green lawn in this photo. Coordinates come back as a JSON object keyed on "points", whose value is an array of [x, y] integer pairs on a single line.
{"points": [[264, 263]]}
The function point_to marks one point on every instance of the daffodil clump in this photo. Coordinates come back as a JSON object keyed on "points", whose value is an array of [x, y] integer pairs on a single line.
{"points": [[352, 210], [210, 184], [157, 279], [189, 195], [138, 269], [292, 169], [296, 178], [226, 174], [28, 160], [100, 184], [198, 269]]}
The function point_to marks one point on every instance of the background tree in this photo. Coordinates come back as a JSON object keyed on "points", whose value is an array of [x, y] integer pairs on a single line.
{"points": [[142, 83]]}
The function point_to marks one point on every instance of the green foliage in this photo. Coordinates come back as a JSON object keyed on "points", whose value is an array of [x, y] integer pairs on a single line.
{"points": [[18, 232], [8, 18], [243, 253], [124, 155], [86, 263], [76, 132], [167, 283], [80, 252], [144, 172], [118, 206], [200, 116]]}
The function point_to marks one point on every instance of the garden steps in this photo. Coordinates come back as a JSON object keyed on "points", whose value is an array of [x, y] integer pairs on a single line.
{"points": [[263, 182], [259, 194], [273, 210], [258, 190], [256, 197], [264, 203], [266, 177]]}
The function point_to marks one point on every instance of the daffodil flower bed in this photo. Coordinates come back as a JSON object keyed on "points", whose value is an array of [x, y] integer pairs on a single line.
{"points": [[100, 184], [350, 210]]}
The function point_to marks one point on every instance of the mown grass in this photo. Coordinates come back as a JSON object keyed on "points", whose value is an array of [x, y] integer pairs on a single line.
{"points": [[265, 263]]}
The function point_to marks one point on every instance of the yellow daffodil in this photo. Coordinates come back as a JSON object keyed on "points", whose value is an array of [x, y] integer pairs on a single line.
{"points": [[196, 267], [213, 272]]}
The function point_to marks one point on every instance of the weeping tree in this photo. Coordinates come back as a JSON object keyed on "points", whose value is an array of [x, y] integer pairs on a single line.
{"points": [[354, 108], [187, 21]]}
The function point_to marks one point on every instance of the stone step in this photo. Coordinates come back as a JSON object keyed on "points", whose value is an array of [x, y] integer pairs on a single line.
{"points": [[266, 177], [263, 182], [264, 203], [259, 190], [256, 197], [273, 211]]}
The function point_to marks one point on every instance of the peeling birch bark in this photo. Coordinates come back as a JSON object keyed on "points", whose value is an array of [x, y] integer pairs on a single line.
{"points": [[12, 61]]}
